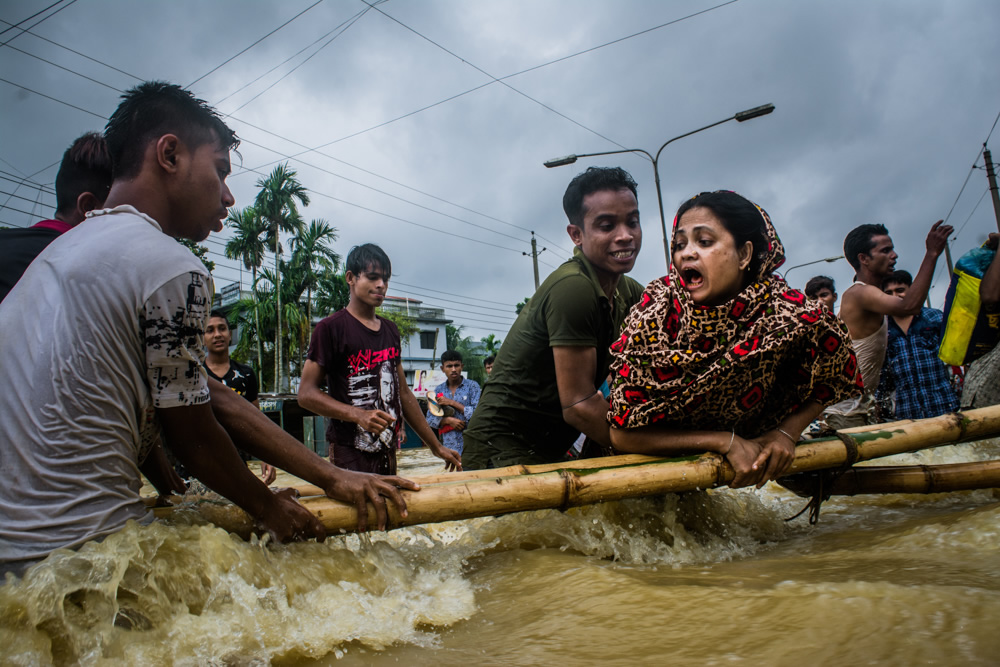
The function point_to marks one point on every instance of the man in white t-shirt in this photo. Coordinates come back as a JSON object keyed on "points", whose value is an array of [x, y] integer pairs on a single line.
{"points": [[101, 345]]}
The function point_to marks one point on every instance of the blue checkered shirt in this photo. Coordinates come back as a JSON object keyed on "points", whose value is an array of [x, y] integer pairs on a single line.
{"points": [[468, 395], [922, 382]]}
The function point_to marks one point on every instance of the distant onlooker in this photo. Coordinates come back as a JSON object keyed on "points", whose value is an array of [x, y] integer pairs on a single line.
{"points": [[921, 382], [822, 288], [459, 394], [356, 353], [982, 381], [238, 377], [864, 308], [82, 185], [488, 364]]}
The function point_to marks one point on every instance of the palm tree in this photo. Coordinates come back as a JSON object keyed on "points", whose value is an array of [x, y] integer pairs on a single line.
{"points": [[276, 205], [248, 247], [312, 255], [332, 292], [492, 343]]}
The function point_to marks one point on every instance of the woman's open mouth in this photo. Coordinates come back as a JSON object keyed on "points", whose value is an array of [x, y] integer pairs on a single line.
{"points": [[692, 278]]}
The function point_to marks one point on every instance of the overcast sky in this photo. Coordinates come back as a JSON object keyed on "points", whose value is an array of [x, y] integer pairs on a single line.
{"points": [[881, 111]]}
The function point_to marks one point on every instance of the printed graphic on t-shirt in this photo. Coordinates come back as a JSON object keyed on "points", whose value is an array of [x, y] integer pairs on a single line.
{"points": [[372, 385], [172, 324]]}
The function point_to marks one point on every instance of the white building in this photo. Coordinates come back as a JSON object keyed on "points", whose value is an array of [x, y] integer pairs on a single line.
{"points": [[422, 350]]}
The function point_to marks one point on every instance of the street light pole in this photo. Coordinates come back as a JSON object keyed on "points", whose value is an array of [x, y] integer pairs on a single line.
{"points": [[739, 117], [815, 261]]}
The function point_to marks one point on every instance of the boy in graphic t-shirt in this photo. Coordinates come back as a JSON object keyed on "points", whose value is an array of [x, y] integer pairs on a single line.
{"points": [[357, 354]]}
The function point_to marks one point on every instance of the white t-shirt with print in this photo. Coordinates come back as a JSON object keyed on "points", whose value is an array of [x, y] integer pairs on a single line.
{"points": [[106, 325]]}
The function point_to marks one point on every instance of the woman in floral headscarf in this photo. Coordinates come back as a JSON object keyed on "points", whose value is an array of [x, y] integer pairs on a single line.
{"points": [[721, 354]]}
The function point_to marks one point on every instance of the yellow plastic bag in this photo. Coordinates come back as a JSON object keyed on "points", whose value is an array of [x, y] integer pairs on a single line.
{"points": [[969, 331]]}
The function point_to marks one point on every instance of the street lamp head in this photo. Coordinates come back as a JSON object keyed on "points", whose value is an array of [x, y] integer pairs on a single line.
{"points": [[833, 259], [561, 161], [754, 113]]}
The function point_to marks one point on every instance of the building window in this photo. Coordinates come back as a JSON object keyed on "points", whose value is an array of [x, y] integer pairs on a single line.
{"points": [[427, 339]]}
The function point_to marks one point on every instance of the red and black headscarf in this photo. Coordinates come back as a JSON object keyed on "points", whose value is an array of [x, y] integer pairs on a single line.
{"points": [[745, 365]]}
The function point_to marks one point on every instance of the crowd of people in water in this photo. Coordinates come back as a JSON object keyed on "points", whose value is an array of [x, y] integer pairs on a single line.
{"points": [[110, 324]]}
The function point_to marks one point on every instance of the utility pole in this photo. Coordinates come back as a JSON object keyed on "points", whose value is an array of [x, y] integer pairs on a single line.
{"points": [[535, 252], [992, 178]]}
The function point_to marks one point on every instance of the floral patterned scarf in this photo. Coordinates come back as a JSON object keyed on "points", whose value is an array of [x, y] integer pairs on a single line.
{"points": [[745, 365]]}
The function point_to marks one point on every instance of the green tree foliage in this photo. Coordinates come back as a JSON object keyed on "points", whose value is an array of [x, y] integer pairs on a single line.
{"points": [[200, 251], [472, 360], [331, 292], [277, 207], [492, 344], [312, 255], [247, 245], [520, 306], [407, 325]]}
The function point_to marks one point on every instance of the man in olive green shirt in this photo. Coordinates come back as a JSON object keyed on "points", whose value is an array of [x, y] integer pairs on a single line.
{"points": [[542, 392]]}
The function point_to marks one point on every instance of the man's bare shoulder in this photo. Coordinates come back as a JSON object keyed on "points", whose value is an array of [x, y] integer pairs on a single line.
{"points": [[860, 309]]}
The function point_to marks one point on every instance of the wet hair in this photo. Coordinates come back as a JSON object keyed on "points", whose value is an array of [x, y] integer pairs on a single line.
{"points": [[368, 255], [153, 109], [816, 283], [489, 360], [901, 277], [859, 240], [741, 218], [218, 313], [593, 180], [86, 167], [450, 355]]}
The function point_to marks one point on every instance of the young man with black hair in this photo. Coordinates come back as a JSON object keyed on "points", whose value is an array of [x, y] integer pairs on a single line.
{"points": [[488, 364], [357, 353], [864, 308], [459, 396], [238, 377], [543, 391], [82, 184], [822, 288], [920, 380], [115, 317]]}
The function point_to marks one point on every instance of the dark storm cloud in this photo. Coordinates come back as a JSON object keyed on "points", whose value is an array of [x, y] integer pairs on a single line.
{"points": [[881, 108]]}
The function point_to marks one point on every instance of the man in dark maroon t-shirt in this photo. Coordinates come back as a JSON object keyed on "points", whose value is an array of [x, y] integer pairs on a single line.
{"points": [[82, 185], [357, 353]]}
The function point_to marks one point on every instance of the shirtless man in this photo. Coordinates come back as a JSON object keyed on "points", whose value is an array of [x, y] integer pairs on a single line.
{"points": [[864, 307]]}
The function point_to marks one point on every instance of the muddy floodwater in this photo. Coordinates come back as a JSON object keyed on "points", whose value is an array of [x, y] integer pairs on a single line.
{"points": [[707, 578]]}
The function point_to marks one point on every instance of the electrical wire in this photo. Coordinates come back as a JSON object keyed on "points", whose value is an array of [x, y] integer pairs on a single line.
{"points": [[74, 52], [232, 58], [332, 173], [524, 71], [289, 59], [54, 99], [461, 296], [290, 157], [974, 209], [289, 72], [18, 24], [495, 79]]}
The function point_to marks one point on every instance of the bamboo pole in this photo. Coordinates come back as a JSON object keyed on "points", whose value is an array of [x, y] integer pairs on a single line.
{"points": [[560, 486], [941, 478]]}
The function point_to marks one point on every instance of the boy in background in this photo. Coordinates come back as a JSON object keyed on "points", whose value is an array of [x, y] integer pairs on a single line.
{"points": [[458, 393], [822, 288], [356, 353], [238, 377]]}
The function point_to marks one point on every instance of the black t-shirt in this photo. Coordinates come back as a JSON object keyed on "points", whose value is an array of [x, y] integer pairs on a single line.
{"points": [[360, 366], [240, 378], [18, 248]]}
